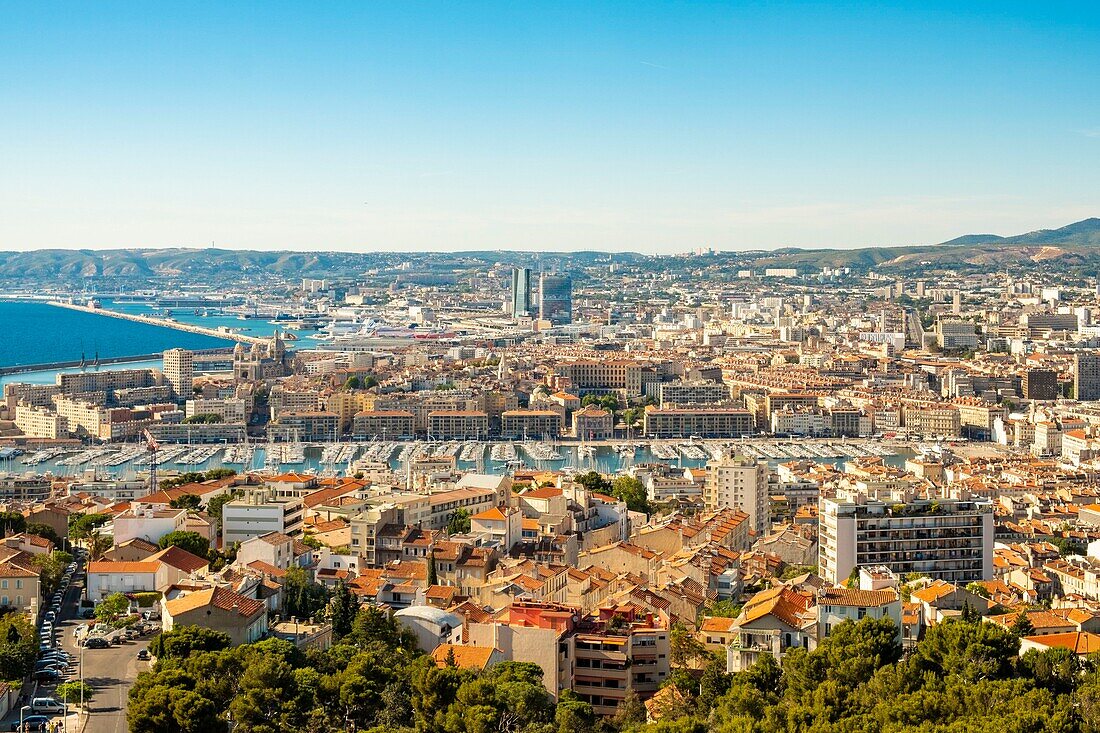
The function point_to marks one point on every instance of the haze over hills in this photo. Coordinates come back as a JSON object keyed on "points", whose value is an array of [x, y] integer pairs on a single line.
{"points": [[1075, 247]]}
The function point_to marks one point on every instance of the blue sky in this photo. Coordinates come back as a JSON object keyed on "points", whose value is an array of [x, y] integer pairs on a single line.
{"points": [[653, 127]]}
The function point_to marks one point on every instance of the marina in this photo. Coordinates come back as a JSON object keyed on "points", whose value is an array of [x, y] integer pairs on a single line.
{"points": [[125, 461]]}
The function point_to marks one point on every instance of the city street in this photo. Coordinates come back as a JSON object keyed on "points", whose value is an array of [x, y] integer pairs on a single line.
{"points": [[110, 672]]}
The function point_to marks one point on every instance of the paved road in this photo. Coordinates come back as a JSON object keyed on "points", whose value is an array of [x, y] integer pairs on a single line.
{"points": [[110, 672]]}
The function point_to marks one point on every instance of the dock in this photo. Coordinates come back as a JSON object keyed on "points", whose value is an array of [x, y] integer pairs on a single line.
{"points": [[164, 323]]}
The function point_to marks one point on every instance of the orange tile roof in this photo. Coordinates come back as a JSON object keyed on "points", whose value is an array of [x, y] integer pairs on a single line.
{"points": [[718, 623], [106, 566], [856, 597], [465, 657], [490, 515], [1078, 642], [222, 598]]}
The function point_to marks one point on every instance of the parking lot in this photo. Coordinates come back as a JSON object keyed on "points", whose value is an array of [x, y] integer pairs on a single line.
{"points": [[110, 672]]}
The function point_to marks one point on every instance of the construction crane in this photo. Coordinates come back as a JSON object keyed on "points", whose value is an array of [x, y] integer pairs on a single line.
{"points": [[153, 446]]}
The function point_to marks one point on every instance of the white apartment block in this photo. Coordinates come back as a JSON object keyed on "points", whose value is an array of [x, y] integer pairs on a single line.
{"points": [[258, 513], [949, 539], [740, 483], [230, 409]]}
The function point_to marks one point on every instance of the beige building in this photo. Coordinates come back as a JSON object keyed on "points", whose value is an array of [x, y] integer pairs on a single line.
{"points": [[458, 425], [705, 422], [384, 424], [741, 483], [38, 422], [530, 424], [219, 609]]}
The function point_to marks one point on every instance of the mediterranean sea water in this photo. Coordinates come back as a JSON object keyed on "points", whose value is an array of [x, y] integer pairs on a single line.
{"points": [[37, 333]]}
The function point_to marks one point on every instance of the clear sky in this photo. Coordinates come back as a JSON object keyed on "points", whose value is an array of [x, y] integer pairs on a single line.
{"points": [[653, 127]]}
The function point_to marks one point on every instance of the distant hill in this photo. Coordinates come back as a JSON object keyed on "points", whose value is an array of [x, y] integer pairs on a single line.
{"points": [[1072, 249], [1085, 233]]}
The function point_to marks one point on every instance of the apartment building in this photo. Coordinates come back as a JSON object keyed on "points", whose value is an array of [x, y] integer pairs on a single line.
{"points": [[384, 424], [259, 512], [38, 422], [315, 425], [458, 425], [706, 422], [933, 419], [106, 381], [229, 409], [622, 653], [946, 538], [179, 370], [697, 392], [530, 424], [613, 375], [741, 483]]}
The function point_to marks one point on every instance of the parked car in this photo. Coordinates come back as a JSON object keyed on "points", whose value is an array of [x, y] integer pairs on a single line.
{"points": [[32, 723], [97, 642], [46, 675], [50, 616], [46, 705], [87, 613], [143, 655]]}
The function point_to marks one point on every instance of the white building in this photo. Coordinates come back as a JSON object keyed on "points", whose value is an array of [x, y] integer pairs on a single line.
{"points": [[950, 539], [147, 523], [230, 409], [259, 512], [179, 371], [105, 578], [432, 626], [741, 483]]}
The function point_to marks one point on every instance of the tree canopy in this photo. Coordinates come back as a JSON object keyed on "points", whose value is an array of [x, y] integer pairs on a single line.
{"points": [[193, 542]]}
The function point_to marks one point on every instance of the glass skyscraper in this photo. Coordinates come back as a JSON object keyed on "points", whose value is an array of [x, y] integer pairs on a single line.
{"points": [[556, 299]]}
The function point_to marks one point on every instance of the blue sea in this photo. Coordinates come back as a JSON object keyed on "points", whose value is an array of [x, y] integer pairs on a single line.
{"points": [[37, 333]]}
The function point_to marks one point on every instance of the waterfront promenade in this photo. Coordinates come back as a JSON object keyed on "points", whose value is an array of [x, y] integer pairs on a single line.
{"points": [[163, 322]]}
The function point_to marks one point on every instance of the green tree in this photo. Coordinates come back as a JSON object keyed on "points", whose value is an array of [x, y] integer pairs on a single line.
{"points": [[192, 542], [183, 641], [204, 418], [18, 646], [82, 526], [303, 597], [574, 715], [12, 523], [1022, 625], [216, 504], [112, 607], [593, 481], [186, 501], [433, 574], [631, 712], [458, 522], [45, 531], [51, 568], [343, 609], [631, 491], [352, 383], [724, 609], [74, 691]]}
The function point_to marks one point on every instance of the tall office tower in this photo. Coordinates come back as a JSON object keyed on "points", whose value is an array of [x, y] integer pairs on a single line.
{"points": [[521, 292], [1040, 384], [179, 370], [741, 483], [556, 299], [1086, 376]]}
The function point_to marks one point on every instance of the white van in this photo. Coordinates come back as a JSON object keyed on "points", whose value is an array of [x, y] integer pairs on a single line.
{"points": [[46, 705]]}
